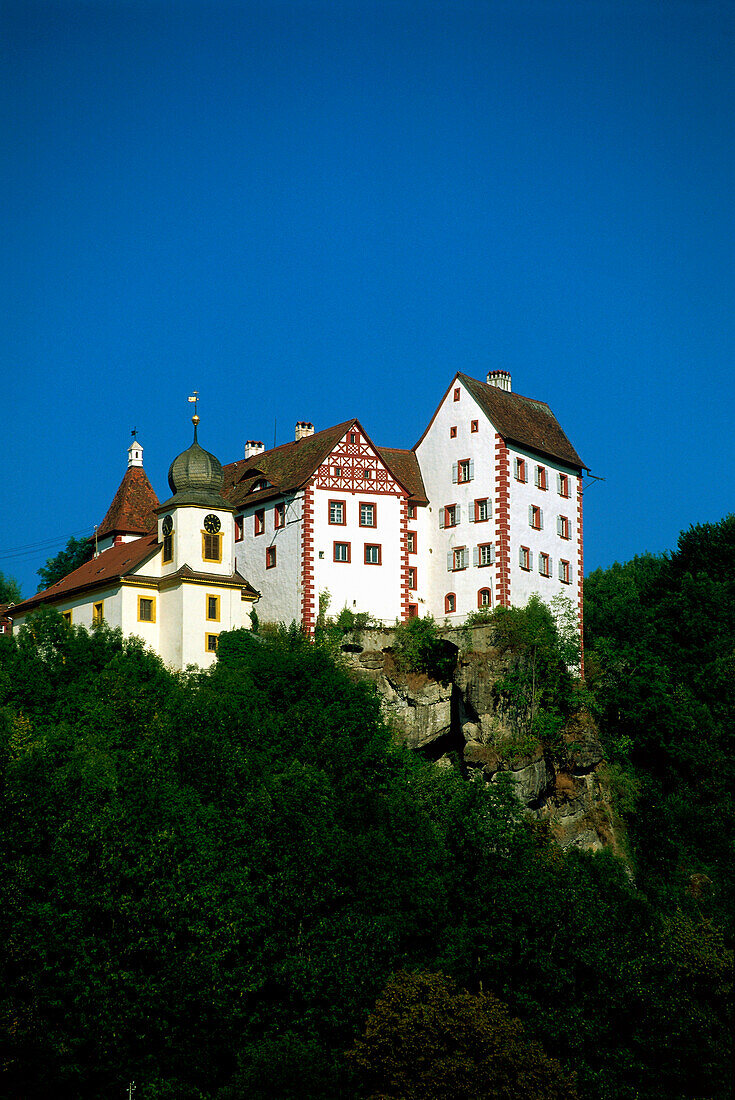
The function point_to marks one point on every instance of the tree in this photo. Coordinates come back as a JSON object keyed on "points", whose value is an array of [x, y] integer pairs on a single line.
{"points": [[9, 590], [75, 553], [426, 1039]]}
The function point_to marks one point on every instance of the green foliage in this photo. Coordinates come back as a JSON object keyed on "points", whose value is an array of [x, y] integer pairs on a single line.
{"points": [[9, 590], [254, 621], [207, 879], [75, 553], [428, 1040], [418, 648], [660, 659]]}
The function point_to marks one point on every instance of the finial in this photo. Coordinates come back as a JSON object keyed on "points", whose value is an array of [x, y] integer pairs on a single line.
{"points": [[195, 418], [134, 432]]}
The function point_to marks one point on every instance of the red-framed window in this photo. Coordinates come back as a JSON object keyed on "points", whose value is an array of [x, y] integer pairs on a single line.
{"points": [[413, 611], [482, 511], [342, 551], [259, 521], [484, 598], [354, 437], [458, 558], [544, 564], [368, 474], [563, 527], [453, 431], [541, 478], [456, 394], [239, 528], [485, 554], [279, 515], [465, 470], [337, 513], [449, 516], [565, 572], [411, 542], [525, 558], [412, 574], [521, 472], [270, 557], [368, 513], [562, 484], [450, 603], [336, 471], [474, 426], [411, 511], [535, 517], [373, 553]]}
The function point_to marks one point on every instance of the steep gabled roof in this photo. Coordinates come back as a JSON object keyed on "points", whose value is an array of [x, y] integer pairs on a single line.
{"points": [[285, 468], [132, 511], [405, 468], [522, 420], [106, 568]]}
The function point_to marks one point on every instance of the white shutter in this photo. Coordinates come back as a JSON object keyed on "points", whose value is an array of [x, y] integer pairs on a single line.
{"points": [[471, 508], [561, 572], [476, 556], [455, 472], [551, 566], [540, 519], [520, 556], [442, 514], [450, 561], [492, 554], [457, 513], [570, 529], [530, 515], [536, 479], [558, 484], [465, 558], [472, 468], [558, 525]]}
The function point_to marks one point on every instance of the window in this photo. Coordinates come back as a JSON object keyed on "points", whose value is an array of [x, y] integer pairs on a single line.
{"points": [[453, 432], [66, 616], [239, 528], [562, 484], [261, 484], [449, 516], [411, 542], [98, 613], [563, 528], [211, 547], [463, 471], [450, 603], [541, 482], [341, 551], [474, 426], [412, 577], [211, 642], [270, 557], [146, 609], [337, 512], [525, 558], [483, 598], [485, 554], [354, 437], [336, 471], [259, 521], [412, 511], [520, 470], [168, 547], [481, 511], [372, 554], [457, 558], [535, 517], [368, 517], [213, 609], [456, 394], [279, 515], [544, 565], [565, 572], [413, 611], [368, 474]]}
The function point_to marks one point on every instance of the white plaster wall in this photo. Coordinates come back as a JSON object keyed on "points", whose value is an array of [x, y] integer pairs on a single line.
{"points": [[437, 453], [353, 584], [81, 609], [149, 632], [109, 540], [280, 587], [524, 584], [188, 523], [421, 524], [171, 626]]}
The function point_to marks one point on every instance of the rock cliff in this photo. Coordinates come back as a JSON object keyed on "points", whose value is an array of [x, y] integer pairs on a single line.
{"points": [[461, 724]]}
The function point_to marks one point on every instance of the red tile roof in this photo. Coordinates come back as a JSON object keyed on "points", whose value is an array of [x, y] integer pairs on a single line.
{"points": [[404, 466], [106, 568], [132, 511]]}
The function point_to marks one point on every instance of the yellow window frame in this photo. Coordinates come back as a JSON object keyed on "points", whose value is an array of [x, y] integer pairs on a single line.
{"points": [[152, 601], [208, 638], [218, 537], [216, 617], [98, 612]]}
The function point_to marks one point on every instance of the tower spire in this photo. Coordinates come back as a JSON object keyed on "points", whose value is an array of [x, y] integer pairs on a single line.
{"points": [[195, 418]]}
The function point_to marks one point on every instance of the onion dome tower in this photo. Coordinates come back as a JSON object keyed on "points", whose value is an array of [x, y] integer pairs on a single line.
{"points": [[195, 477]]}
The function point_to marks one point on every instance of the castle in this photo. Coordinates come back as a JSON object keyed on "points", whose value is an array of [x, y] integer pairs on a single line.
{"points": [[485, 510]]}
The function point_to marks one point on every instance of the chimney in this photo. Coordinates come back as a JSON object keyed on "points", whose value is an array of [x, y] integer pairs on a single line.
{"points": [[499, 378], [303, 428], [253, 447]]}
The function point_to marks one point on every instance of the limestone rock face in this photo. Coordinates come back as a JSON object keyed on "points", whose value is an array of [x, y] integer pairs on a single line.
{"points": [[461, 724]]}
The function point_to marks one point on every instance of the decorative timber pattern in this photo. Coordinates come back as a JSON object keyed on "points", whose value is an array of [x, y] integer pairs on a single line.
{"points": [[354, 467]]}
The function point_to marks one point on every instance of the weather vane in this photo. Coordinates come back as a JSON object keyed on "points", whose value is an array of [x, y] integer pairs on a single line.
{"points": [[134, 432], [195, 418]]}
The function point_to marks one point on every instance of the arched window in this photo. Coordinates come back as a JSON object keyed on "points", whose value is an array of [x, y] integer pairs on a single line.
{"points": [[484, 599], [450, 603]]}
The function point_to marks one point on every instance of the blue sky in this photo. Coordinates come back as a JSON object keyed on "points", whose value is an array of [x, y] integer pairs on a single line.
{"points": [[312, 210]]}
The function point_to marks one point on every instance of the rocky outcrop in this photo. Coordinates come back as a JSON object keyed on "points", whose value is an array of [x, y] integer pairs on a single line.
{"points": [[462, 724]]}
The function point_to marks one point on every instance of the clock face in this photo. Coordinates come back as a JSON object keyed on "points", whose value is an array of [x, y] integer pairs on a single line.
{"points": [[167, 526], [212, 524]]}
